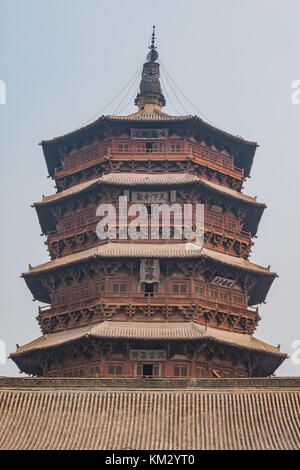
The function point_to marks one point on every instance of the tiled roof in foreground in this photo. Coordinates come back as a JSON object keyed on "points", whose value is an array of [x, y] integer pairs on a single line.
{"points": [[158, 414], [149, 331]]}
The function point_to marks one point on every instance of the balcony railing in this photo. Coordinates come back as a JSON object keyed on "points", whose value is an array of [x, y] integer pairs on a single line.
{"points": [[221, 229], [155, 298], [131, 149]]}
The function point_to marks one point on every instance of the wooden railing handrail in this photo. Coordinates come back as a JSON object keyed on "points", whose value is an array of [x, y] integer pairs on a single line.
{"points": [[221, 229], [184, 149], [140, 297]]}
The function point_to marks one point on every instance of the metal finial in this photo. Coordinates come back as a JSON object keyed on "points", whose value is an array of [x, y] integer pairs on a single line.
{"points": [[153, 39]]}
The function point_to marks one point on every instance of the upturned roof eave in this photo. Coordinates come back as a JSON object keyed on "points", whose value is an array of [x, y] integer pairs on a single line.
{"points": [[84, 187], [126, 119], [93, 253], [194, 332]]}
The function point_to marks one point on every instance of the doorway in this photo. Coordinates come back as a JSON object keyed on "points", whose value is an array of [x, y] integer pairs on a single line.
{"points": [[148, 369], [149, 146], [149, 289]]}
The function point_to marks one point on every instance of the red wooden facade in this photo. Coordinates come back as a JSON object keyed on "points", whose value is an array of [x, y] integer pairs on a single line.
{"points": [[89, 281]]}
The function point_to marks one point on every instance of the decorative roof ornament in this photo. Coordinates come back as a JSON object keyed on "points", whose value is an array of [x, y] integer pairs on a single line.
{"points": [[150, 97], [153, 54]]}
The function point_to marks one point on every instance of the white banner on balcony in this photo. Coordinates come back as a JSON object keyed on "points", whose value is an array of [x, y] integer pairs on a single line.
{"points": [[149, 271]]}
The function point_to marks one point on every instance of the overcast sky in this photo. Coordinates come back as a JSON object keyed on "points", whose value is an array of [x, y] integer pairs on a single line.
{"points": [[63, 60]]}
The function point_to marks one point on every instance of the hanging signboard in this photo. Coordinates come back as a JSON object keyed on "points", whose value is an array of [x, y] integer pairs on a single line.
{"points": [[147, 355], [222, 281], [149, 271], [149, 133], [150, 197]]}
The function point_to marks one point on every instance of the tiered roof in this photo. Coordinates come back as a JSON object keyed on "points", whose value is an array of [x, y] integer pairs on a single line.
{"points": [[149, 331], [112, 250]]}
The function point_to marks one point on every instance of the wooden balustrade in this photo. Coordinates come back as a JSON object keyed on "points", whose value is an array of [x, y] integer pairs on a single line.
{"points": [[155, 298], [55, 235], [122, 149]]}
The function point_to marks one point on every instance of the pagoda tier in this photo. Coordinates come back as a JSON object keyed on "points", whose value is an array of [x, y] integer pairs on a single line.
{"points": [[124, 348], [195, 313], [169, 143], [105, 282], [69, 218], [123, 154]]}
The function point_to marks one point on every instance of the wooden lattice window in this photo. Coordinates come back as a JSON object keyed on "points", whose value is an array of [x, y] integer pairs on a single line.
{"points": [[60, 299], [209, 218], [67, 224], [199, 290], [214, 293], [94, 370], [218, 220], [223, 295], [119, 287], [80, 221], [157, 147], [79, 372], [123, 147], [237, 298], [180, 370], [231, 224], [115, 369], [74, 296], [200, 371], [180, 288], [99, 288], [213, 157], [175, 147]]}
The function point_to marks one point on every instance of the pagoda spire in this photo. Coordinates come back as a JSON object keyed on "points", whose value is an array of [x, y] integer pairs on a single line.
{"points": [[150, 97]]}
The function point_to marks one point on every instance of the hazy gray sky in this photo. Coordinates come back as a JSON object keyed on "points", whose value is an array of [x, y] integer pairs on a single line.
{"points": [[63, 60]]}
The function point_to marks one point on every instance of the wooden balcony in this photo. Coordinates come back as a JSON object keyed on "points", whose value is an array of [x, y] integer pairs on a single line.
{"points": [[62, 233], [155, 299], [177, 150]]}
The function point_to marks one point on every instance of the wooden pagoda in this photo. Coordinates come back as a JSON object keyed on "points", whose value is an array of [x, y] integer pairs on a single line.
{"points": [[195, 316]]}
